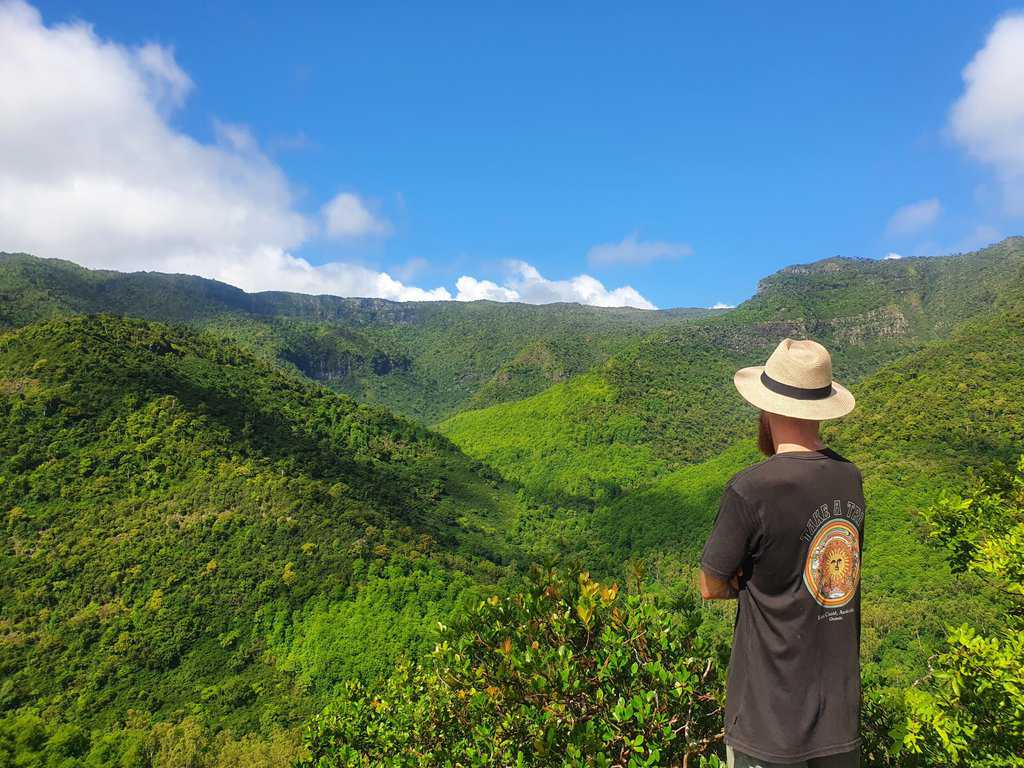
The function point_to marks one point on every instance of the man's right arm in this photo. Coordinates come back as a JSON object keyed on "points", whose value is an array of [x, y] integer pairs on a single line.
{"points": [[726, 548], [714, 588]]}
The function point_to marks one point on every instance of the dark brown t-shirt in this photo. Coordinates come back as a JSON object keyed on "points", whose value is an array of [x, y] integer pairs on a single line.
{"points": [[794, 523]]}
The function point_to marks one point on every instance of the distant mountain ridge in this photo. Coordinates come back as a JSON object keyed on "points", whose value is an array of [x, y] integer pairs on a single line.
{"points": [[423, 359], [431, 360], [932, 292], [82, 289]]}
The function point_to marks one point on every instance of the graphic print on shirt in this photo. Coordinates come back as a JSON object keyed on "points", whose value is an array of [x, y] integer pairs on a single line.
{"points": [[832, 568], [833, 564]]}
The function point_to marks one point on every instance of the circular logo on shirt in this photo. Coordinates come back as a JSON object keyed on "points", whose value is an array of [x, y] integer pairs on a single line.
{"points": [[832, 571]]}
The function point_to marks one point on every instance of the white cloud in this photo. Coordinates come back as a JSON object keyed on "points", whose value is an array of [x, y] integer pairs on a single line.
{"points": [[93, 171], [722, 305], [471, 289], [281, 271], [524, 283], [979, 237], [914, 217], [634, 251], [988, 118], [167, 82], [347, 216], [890, 256]]}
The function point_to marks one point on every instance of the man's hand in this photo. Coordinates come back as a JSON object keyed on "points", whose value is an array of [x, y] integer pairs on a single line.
{"points": [[713, 588]]}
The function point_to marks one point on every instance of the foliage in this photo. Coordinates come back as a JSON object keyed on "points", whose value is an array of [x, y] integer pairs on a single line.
{"points": [[952, 403], [568, 672], [29, 740], [970, 709], [672, 515], [573, 442]]}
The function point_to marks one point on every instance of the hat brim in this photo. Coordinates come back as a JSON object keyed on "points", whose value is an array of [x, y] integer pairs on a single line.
{"points": [[837, 404]]}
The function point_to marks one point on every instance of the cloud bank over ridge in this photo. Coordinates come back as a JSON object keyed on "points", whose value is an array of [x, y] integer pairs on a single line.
{"points": [[95, 172], [525, 283]]}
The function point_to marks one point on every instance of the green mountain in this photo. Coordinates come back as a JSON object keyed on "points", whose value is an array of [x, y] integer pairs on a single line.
{"points": [[191, 532], [425, 360], [667, 400]]}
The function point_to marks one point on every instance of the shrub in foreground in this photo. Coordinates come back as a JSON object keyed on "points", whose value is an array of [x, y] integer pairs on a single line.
{"points": [[568, 672], [969, 709]]}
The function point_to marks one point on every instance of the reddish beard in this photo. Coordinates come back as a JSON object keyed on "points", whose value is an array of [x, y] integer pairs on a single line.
{"points": [[765, 441]]}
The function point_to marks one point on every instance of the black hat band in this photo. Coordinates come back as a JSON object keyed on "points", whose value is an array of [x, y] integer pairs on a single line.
{"points": [[799, 393]]}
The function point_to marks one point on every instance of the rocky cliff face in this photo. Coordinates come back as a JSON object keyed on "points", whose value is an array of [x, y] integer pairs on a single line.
{"points": [[343, 366], [355, 311], [871, 328], [884, 323]]}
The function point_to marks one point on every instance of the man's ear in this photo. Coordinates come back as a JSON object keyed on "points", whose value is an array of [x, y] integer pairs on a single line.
{"points": [[765, 441]]}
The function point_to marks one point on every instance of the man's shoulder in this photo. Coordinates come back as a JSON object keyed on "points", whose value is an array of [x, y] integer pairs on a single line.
{"points": [[849, 465], [748, 480], [766, 475]]}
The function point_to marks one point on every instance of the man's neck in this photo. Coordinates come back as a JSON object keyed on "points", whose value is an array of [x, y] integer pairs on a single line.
{"points": [[795, 434], [802, 445]]}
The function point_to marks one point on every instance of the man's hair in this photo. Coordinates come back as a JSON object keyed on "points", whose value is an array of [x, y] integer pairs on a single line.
{"points": [[765, 441]]}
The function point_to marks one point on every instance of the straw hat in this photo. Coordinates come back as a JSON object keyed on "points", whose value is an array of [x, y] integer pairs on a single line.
{"points": [[796, 381]]}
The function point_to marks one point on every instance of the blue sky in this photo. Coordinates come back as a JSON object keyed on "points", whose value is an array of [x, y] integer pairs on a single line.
{"points": [[711, 143]]}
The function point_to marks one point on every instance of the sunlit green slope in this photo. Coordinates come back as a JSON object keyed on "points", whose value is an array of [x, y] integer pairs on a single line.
{"points": [[669, 400], [608, 430]]}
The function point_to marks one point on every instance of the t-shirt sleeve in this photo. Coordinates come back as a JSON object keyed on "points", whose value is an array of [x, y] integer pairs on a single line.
{"points": [[731, 537]]}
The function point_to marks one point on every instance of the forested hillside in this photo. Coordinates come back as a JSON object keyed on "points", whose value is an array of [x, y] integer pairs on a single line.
{"points": [[425, 360], [668, 400], [196, 541]]}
